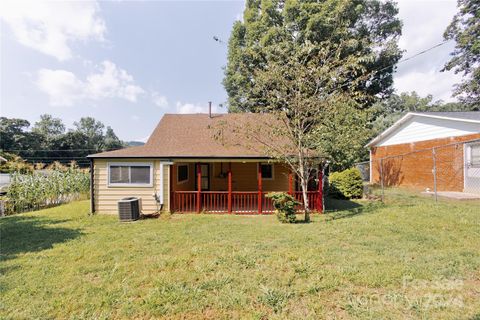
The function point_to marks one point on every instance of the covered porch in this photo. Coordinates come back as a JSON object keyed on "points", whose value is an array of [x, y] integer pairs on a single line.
{"points": [[236, 187]]}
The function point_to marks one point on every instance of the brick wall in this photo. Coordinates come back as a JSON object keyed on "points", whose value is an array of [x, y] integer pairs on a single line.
{"points": [[411, 164]]}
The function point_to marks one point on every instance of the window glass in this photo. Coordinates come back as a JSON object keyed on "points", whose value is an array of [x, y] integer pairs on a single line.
{"points": [[475, 154], [140, 174], [130, 174], [119, 174], [182, 173], [267, 171]]}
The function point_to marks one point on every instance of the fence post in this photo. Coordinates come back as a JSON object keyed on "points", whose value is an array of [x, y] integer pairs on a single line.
{"points": [[434, 174], [381, 180]]}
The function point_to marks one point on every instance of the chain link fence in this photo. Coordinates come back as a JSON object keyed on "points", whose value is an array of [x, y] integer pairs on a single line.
{"points": [[450, 171]]}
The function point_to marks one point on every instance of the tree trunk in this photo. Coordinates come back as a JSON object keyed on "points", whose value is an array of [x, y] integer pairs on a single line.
{"points": [[304, 185]]}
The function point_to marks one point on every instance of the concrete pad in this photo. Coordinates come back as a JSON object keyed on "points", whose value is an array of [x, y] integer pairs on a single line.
{"points": [[455, 195]]}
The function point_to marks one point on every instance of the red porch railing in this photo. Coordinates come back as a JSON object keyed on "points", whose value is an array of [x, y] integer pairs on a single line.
{"points": [[242, 202]]}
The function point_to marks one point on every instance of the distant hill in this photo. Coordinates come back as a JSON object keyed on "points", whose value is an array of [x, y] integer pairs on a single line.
{"points": [[134, 143]]}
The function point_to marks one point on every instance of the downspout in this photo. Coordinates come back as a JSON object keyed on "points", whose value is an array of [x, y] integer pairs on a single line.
{"points": [[92, 193], [160, 197]]}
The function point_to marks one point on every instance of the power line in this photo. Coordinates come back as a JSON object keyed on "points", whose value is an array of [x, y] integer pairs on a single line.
{"points": [[415, 55], [402, 60]]}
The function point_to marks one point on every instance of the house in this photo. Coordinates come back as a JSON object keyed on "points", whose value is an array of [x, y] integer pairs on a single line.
{"points": [[428, 149], [186, 167]]}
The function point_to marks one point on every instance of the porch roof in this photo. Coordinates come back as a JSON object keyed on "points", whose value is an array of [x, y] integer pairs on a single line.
{"points": [[200, 136]]}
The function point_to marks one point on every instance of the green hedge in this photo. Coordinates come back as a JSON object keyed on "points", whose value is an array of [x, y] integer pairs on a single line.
{"points": [[346, 184]]}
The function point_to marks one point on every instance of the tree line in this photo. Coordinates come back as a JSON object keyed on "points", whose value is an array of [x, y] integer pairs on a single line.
{"points": [[49, 140]]}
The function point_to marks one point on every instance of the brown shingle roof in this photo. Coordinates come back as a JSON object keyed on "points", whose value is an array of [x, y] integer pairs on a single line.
{"points": [[193, 135]]}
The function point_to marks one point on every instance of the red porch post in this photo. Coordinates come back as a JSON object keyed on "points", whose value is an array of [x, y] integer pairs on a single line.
{"points": [[199, 186], [320, 191], [173, 205], [230, 190], [259, 188], [290, 183]]}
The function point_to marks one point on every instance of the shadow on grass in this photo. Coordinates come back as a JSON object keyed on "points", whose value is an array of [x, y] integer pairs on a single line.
{"points": [[341, 209], [22, 234]]}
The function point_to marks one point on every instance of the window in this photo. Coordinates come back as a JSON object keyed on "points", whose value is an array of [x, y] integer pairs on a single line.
{"points": [[267, 171], [130, 174], [182, 173], [475, 155]]}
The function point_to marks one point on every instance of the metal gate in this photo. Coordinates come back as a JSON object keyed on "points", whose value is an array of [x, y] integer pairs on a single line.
{"points": [[472, 167]]}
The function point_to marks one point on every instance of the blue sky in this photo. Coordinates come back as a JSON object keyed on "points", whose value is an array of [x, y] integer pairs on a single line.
{"points": [[127, 63]]}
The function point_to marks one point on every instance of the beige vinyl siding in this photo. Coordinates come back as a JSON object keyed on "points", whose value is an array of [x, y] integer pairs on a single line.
{"points": [[106, 197]]}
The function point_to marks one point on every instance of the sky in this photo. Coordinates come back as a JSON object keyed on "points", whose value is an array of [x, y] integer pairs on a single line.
{"points": [[126, 63]]}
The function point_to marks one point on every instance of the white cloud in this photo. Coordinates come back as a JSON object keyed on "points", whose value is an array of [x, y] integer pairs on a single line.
{"points": [[159, 100], [423, 25], [112, 82], [184, 108], [144, 139], [439, 85], [190, 108], [51, 26], [64, 87]]}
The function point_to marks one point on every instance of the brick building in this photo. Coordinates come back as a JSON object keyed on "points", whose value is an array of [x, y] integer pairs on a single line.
{"points": [[423, 148]]}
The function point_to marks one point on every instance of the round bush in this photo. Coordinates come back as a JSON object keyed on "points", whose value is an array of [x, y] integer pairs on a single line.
{"points": [[346, 184], [284, 205]]}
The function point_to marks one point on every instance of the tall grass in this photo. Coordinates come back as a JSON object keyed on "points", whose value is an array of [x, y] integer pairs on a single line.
{"points": [[46, 188]]}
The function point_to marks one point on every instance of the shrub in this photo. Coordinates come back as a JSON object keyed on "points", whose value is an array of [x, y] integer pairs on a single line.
{"points": [[284, 205], [346, 184]]}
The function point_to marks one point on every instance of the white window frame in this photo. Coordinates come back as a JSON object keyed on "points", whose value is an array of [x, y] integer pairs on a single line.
{"points": [[470, 151], [273, 170], [130, 164], [188, 173]]}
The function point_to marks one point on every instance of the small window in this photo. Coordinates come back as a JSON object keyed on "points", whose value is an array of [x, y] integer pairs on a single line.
{"points": [[475, 155], [267, 171], [130, 174], [182, 173]]}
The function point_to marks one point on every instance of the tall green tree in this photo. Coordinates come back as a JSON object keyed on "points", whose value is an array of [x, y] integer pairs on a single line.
{"points": [[302, 89], [111, 140], [49, 126], [93, 130], [14, 135], [50, 129], [465, 30], [370, 26]]}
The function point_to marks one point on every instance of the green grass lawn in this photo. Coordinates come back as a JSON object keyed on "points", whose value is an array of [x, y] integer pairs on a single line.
{"points": [[410, 258]]}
